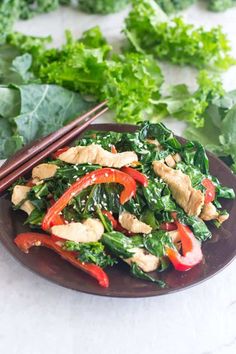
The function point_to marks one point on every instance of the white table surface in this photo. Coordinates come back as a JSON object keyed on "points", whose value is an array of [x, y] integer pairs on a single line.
{"points": [[37, 317]]}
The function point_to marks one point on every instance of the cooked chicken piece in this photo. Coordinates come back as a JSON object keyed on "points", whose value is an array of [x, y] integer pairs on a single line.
{"points": [[132, 224], [96, 154], [44, 170], [90, 231], [209, 212], [169, 160], [175, 236], [145, 260], [156, 143], [190, 199], [222, 218], [177, 157], [18, 195]]}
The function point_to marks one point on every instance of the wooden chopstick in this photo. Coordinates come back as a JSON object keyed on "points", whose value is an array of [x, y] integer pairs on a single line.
{"points": [[42, 143], [55, 145]]}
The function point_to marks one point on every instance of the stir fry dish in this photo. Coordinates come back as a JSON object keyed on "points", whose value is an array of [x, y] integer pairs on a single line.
{"points": [[142, 198]]}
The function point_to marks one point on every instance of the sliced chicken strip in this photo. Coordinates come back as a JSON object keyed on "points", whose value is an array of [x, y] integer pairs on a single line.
{"points": [[18, 195], [170, 161], [177, 157], [209, 212], [175, 236], [44, 170], [146, 261], [190, 199], [90, 231], [132, 224], [97, 155], [156, 143]]}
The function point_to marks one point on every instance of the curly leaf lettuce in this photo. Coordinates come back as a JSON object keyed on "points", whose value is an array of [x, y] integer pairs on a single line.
{"points": [[219, 134], [149, 30], [190, 107]]}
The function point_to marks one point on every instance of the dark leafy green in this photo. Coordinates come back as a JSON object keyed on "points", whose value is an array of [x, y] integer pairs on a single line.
{"points": [[137, 272], [157, 241], [31, 111], [91, 252], [117, 243], [200, 229]]}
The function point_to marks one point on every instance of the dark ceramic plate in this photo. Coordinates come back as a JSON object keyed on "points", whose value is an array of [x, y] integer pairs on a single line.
{"points": [[218, 252]]}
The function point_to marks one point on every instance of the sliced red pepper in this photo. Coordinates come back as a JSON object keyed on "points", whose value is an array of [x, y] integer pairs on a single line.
{"points": [[210, 193], [191, 249], [57, 153], [113, 149], [30, 183], [59, 219], [136, 175], [168, 226], [25, 241], [103, 175], [110, 217]]}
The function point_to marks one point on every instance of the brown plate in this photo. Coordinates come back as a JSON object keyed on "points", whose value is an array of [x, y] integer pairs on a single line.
{"points": [[218, 252]]}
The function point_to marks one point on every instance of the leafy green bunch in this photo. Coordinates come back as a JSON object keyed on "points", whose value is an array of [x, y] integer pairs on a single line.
{"points": [[149, 30], [129, 81], [221, 5]]}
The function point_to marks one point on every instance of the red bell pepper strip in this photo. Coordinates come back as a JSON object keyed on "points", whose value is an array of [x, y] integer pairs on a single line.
{"points": [[30, 183], [113, 149], [103, 175], [57, 153], [110, 217], [123, 230], [168, 226], [136, 175], [191, 248], [25, 241], [210, 193], [58, 219]]}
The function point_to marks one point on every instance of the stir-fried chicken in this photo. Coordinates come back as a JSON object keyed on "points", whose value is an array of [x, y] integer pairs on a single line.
{"points": [[96, 154], [132, 224], [209, 212], [18, 195], [190, 199], [44, 170], [146, 261], [90, 231]]}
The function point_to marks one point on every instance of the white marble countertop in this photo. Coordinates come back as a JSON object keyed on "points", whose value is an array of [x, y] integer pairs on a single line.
{"points": [[37, 317]]}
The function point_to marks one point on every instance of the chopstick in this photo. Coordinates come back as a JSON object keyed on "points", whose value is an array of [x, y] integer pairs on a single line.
{"points": [[30, 157], [42, 143]]}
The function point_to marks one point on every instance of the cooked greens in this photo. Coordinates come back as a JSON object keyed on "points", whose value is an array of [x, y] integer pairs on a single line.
{"points": [[154, 205]]}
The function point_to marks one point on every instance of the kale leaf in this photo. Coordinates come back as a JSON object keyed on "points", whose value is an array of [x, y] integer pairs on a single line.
{"points": [[137, 272], [90, 252], [102, 6], [150, 31]]}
